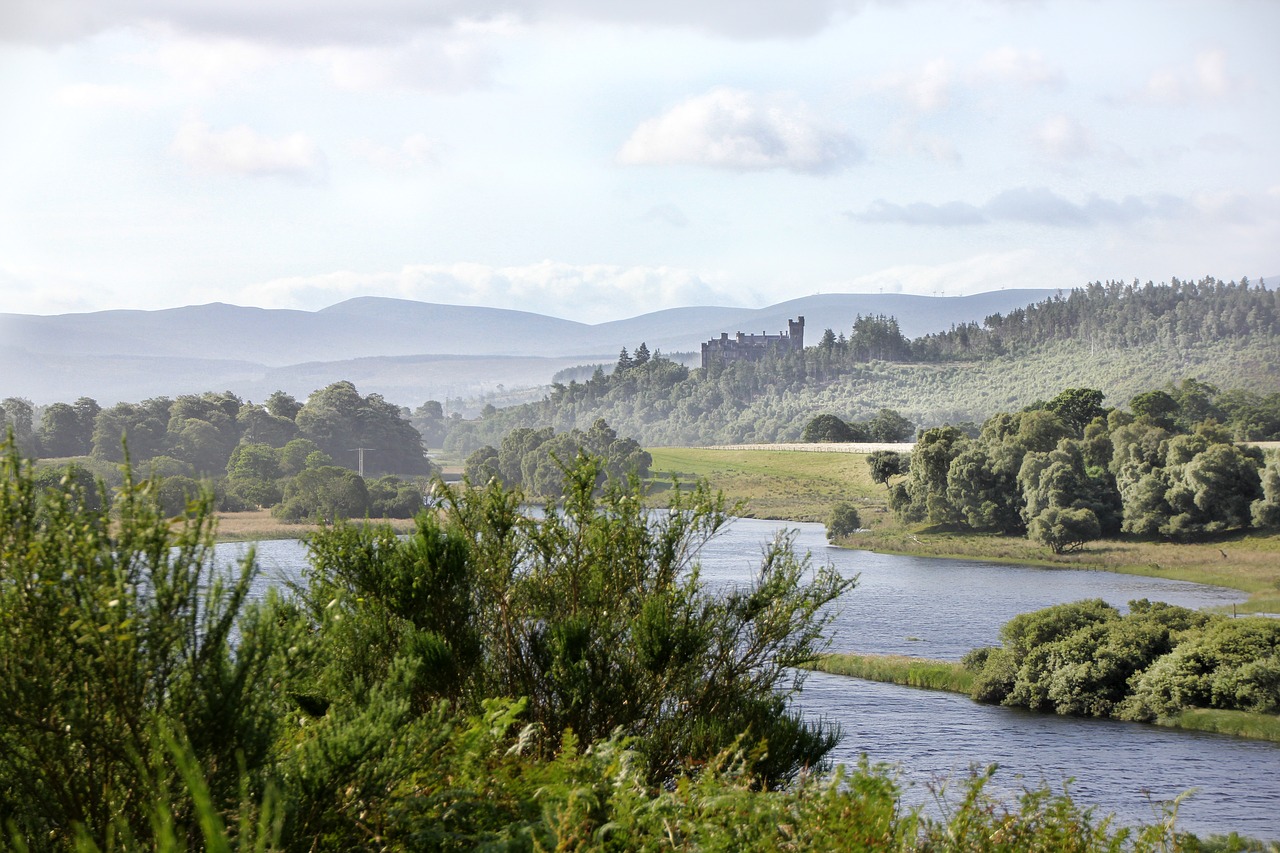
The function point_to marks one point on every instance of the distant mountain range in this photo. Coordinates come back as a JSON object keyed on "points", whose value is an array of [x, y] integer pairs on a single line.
{"points": [[408, 351]]}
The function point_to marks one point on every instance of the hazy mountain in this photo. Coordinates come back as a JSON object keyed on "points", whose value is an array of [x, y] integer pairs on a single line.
{"points": [[408, 351]]}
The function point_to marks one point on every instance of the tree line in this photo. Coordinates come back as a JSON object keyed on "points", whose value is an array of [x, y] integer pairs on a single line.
{"points": [[295, 456], [1069, 471]]}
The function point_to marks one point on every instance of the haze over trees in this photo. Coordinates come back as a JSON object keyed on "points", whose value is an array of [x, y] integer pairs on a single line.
{"points": [[1119, 338]]}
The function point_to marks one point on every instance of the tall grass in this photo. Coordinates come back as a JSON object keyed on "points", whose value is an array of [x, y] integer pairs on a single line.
{"points": [[900, 669], [1238, 723]]}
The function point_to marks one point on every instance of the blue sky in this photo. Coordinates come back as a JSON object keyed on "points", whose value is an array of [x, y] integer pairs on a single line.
{"points": [[595, 159]]}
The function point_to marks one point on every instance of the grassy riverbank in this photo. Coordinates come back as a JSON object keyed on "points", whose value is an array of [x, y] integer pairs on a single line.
{"points": [[900, 669], [260, 525], [796, 486], [952, 677]]}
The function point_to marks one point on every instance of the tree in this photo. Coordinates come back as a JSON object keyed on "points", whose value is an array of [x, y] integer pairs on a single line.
{"points": [[1064, 530], [327, 492], [61, 433], [283, 405], [641, 356], [890, 427], [1078, 407], [887, 463], [843, 521], [339, 420], [17, 414], [1157, 405], [141, 426], [828, 428]]}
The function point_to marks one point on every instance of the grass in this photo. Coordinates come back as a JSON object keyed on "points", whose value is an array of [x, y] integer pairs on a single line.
{"points": [[796, 486], [260, 525], [783, 484], [900, 669], [1237, 723]]}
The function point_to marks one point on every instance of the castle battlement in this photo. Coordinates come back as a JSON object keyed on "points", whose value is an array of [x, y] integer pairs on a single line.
{"points": [[744, 347]]}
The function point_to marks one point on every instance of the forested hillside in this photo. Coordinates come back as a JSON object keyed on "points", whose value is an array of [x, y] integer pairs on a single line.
{"points": [[1121, 339]]}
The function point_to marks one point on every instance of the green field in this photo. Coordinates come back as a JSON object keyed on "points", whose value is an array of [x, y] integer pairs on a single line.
{"points": [[783, 484]]}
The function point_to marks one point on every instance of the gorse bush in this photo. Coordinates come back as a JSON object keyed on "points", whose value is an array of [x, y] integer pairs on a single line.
{"points": [[115, 656]]}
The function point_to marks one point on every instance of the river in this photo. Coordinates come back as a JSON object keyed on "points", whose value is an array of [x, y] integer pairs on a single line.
{"points": [[941, 609]]}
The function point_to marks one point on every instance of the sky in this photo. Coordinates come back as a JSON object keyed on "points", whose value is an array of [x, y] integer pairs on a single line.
{"points": [[596, 159]]}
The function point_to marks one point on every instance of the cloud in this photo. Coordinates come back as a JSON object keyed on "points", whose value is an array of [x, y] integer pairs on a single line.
{"points": [[436, 63], [950, 214], [1010, 65], [667, 213], [1061, 137], [1031, 206], [348, 22], [925, 89], [977, 274], [1206, 80], [588, 293], [105, 96], [243, 151], [416, 150], [732, 129]]}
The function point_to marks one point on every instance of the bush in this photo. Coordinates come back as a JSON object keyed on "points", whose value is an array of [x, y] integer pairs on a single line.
{"points": [[843, 522], [116, 668]]}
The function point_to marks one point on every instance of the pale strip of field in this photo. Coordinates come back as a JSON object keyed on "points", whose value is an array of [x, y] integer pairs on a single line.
{"points": [[823, 447]]}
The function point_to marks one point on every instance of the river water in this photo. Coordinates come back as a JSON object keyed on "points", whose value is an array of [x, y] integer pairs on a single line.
{"points": [[942, 609]]}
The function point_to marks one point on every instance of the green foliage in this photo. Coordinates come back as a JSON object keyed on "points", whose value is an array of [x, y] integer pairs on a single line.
{"points": [[843, 521], [1078, 407], [1064, 530], [339, 420], [145, 705], [1232, 664], [1158, 661], [833, 429], [114, 648], [887, 463], [328, 492], [536, 460]]}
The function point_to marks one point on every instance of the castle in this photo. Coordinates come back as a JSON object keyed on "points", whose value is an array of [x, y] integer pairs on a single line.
{"points": [[750, 347]]}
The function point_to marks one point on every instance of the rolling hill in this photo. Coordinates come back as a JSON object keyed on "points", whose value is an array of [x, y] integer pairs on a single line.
{"points": [[408, 351]]}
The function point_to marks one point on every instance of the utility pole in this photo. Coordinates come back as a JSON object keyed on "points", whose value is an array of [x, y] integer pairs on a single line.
{"points": [[361, 451]]}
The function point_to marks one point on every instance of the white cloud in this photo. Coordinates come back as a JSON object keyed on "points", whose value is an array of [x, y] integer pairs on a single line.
{"points": [[1206, 80], [436, 63], [977, 274], [1010, 65], [416, 150], [732, 129], [1062, 137], [668, 213], [243, 151], [588, 293], [906, 137], [389, 21], [1027, 205], [106, 96], [926, 89], [199, 65]]}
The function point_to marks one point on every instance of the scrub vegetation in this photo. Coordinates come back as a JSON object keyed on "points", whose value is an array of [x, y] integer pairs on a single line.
{"points": [[491, 681]]}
